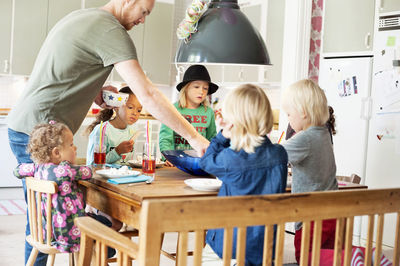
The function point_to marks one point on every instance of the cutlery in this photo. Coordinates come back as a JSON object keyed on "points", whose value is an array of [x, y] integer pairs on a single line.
{"points": [[150, 180]]}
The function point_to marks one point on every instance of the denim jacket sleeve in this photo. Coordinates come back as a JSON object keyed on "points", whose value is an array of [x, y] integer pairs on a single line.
{"points": [[214, 160]]}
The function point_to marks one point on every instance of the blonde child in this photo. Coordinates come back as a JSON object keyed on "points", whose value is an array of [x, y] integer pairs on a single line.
{"points": [[310, 150], [118, 130], [53, 152], [245, 160], [194, 105]]}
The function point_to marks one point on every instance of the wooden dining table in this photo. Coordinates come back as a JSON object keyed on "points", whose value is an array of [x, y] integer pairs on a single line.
{"points": [[124, 201]]}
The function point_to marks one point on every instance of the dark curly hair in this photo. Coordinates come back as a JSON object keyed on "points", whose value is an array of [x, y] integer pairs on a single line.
{"points": [[331, 121], [106, 114], [43, 139]]}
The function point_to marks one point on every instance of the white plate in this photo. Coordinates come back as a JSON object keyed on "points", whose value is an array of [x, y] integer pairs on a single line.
{"points": [[112, 173], [204, 184], [138, 164]]}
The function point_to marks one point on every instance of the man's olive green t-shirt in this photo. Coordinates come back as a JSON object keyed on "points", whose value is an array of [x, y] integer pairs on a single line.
{"points": [[72, 66]]}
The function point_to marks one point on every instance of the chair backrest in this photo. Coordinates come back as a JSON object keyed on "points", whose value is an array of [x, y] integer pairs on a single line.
{"points": [[92, 232], [36, 191], [354, 178], [200, 214]]}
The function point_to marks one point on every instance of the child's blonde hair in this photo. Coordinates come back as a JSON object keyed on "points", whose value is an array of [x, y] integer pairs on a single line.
{"points": [[305, 96], [182, 103], [44, 138], [248, 109]]}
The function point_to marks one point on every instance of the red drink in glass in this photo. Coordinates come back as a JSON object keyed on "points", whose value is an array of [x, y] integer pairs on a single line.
{"points": [[99, 158], [149, 166]]}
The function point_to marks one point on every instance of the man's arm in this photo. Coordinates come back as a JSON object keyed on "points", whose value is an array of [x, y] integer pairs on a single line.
{"points": [[158, 105]]}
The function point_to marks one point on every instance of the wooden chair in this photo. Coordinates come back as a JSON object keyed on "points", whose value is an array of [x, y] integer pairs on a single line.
{"points": [[202, 213], [80, 161], [92, 232], [36, 190], [352, 179]]}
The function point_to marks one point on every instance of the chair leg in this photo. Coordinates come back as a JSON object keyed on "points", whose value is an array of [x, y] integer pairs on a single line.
{"points": [[50, 260], [72, 259], [32, 257]]}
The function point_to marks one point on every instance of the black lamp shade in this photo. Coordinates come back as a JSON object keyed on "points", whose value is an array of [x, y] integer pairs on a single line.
{"points": [[224, 35]]}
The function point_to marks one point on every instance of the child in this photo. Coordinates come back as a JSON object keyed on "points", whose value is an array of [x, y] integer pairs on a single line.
{"points": [[310, 151], [119, 130], [194, 105], [53, 152], [245, 160], [330, 125]]}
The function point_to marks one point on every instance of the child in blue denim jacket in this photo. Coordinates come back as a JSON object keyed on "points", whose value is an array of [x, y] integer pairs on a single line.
{"points": [[245, 160]]}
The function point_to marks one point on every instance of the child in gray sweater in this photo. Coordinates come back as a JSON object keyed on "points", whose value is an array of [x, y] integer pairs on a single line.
{"points": [[310, 151]]}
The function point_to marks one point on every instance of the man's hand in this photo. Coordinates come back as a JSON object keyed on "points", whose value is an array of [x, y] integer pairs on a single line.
{"points": [[99, 98], [200, 144]]}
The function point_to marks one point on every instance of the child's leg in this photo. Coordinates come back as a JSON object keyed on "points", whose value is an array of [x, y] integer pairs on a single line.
{"points": [[210, 258], [110, 251], [116, 224], [328, 234], [327, 237]]}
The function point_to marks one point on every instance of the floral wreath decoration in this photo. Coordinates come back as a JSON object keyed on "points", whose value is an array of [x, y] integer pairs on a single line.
{"points": [[188, 25]]}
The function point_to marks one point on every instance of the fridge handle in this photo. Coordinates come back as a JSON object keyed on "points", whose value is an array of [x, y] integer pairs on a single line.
{"points": [[366, 104], [367, 40]]}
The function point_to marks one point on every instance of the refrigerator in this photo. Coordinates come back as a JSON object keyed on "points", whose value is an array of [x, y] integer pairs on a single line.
{"points": [[383, 154], [364, 92], [347, 85]]}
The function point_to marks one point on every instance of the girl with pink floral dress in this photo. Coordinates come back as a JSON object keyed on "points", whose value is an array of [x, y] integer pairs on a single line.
{"points": [[53, 152]]}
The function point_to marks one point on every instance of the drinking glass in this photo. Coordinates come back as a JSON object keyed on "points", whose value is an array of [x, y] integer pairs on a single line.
{"points": [[99, 155], [149, 158]]}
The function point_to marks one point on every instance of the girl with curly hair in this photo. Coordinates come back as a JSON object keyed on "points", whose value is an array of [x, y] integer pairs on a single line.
{"points": [[53, 152]]}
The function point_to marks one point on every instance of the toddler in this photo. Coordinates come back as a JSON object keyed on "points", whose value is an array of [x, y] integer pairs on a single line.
{"points": [[310, 150], [245, 160], [194, 105], [53, 152], [119, 131]]}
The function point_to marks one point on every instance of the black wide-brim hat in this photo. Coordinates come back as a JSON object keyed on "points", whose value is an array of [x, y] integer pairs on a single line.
{"points": [[197, 72]]}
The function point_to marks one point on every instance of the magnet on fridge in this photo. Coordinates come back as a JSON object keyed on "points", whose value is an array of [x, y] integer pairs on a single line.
{"points": [[355, 85], [391, 41]]}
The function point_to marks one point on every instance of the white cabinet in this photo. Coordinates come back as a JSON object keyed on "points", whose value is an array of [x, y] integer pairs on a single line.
{"points": [[59, 9], [29, 32], [5, 33], [32, 21], [348, 26], [95, 3], [153, 42], [158, 43], [386, 6]]}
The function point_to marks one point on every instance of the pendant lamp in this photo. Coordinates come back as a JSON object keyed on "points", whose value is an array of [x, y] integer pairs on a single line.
{"points": [[224, 35]]}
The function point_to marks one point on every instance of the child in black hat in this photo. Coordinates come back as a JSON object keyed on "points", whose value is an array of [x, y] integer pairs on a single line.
{"points": [[194, 105]]}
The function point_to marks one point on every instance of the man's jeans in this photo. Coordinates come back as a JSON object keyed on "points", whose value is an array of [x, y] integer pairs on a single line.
{"points": [[19, 143]]}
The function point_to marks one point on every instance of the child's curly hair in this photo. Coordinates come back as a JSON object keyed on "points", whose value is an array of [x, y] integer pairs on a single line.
{"points": [[43, 139]]}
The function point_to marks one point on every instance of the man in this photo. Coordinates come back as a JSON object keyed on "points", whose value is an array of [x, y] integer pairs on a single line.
{"points": [[74, 62]]}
